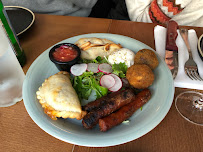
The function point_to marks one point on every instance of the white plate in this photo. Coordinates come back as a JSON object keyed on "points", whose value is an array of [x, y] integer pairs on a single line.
{"points": [[71, 130]]}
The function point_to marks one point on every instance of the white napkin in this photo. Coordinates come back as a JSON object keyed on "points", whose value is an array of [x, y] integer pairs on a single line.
{"points": [[181, 80]]}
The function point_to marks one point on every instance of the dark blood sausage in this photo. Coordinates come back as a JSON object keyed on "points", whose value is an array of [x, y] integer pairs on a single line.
{"points": [[124, 112], [102, 101], [110, 105]]}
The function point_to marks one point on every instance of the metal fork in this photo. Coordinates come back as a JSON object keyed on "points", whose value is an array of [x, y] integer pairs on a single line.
{"points": [[190, 66]]}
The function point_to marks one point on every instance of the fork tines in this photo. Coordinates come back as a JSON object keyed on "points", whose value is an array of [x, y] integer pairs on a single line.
{"points": [[190, 65], [192, 73]]}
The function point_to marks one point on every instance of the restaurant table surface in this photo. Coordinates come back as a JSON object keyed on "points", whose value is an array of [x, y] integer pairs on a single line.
{"points": [[19, 133]]}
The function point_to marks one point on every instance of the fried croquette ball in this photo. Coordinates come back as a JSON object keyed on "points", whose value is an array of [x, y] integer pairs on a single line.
{"points": [[146, 56], [140, 76]]}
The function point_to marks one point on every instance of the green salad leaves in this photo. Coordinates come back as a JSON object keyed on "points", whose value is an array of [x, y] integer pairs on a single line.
{"points": [[120, 69], [89, 81], [86, 83], [98, 60]]}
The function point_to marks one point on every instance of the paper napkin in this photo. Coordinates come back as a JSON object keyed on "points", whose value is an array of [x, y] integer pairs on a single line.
{"points": [[181, 80]]}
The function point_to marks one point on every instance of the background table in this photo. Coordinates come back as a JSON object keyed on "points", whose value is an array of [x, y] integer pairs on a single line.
{"points": [[19, 133]]}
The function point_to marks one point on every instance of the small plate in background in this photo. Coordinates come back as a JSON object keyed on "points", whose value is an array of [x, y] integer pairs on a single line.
{"points": [[21, 18]]}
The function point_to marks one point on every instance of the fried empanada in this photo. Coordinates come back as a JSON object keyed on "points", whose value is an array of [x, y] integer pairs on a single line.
{"points": [[58, 97]]}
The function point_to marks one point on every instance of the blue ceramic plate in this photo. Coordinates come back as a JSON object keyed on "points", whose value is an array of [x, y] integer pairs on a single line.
{"points": [[71, 130]]}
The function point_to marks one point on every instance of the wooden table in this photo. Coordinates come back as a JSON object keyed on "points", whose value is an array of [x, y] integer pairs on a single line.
{"points": [[19, 133]]}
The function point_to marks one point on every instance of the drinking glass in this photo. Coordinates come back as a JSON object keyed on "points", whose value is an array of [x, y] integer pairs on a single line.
{"points": [[11, 73], [190, 106]]}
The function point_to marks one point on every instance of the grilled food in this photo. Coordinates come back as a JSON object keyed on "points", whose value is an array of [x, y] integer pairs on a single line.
{"points": [[106, 106], [124, 112]]}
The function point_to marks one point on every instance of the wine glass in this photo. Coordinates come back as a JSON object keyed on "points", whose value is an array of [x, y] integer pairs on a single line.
{"points": [[190, 106]]}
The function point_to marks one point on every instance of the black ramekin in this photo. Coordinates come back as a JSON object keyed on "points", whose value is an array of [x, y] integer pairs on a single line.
{"points": [[64, 66]]}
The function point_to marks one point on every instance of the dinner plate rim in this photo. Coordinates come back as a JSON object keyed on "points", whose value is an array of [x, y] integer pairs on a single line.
{"points": [[28, 10], [113, 143]]}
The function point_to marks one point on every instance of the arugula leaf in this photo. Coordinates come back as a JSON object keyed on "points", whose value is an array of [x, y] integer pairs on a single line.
{"points": [[85, 83], [98, 60], [86, 93], [141, 108], [100, 91], [85, 61], [98, 75], [120, 69], [82, 84]]}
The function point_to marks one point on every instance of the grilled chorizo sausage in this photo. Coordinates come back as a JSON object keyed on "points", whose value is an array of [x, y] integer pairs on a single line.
{"points": [[103, 100], [109, 105], [124, 112]]}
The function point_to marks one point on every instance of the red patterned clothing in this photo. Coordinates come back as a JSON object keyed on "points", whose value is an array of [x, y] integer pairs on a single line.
{"points": [[184, 12]]}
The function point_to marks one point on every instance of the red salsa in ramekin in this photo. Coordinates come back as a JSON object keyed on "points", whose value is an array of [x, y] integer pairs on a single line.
{"points": [[65, 53]]}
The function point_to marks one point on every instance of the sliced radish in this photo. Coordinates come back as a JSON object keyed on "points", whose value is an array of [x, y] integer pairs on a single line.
{"points": [[107, 81], [78, 69], [118, 83], [93, 67], [105, 68]]}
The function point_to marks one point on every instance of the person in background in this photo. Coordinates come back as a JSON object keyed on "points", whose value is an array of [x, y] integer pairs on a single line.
{"points": [[112, 9], [184, 12], [56, 7]]}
